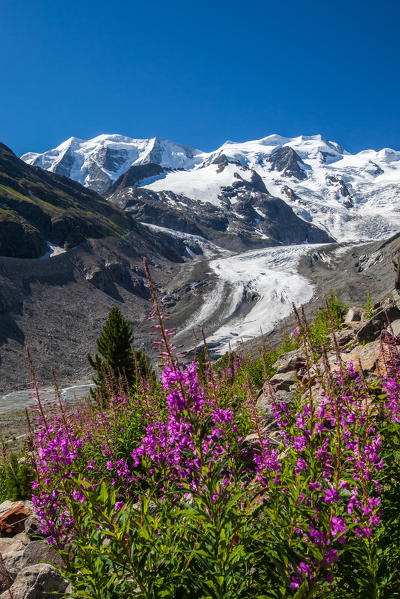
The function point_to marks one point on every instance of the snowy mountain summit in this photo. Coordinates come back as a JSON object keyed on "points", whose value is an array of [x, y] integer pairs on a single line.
{"points": [[98, 162], [347, 197]]}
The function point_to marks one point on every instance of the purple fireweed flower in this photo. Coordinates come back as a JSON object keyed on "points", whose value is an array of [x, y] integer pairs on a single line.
{"points": [[305, 569], [300, 442], [300, 466], [338, 525], [316, 536], [331, 496], [295, 581], [330, 557], [315, 486], [78, 496]]}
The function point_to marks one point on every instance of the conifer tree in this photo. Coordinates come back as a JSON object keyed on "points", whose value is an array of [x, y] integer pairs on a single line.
{"points": [[116, 360]]}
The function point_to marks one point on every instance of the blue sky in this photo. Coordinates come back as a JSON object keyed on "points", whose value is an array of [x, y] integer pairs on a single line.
{"points": [[199, 73]]}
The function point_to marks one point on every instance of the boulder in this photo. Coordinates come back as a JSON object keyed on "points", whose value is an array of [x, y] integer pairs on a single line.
{"points": [[9, 544], [367, 355], [292, 360], [317, 393], [23, 537], [37, 552], [12, 562], [13, 515], [373, 327], [250, 447], [264, 403], [395, 328], [6, 505], [345, 337], [41, 581], [284, 380], [32, 526], [353, 315]]}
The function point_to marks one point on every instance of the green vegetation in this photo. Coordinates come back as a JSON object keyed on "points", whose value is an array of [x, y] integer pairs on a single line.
{"points": [[54, 207], [161, 495], [15, 477], [369, 310], [328, 318]]}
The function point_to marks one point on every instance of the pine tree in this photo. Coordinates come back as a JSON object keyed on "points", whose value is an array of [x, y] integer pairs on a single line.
{"points": [[116, 361]]}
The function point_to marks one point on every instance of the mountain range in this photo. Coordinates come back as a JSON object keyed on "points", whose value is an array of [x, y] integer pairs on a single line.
{"points": [[237, 190]]}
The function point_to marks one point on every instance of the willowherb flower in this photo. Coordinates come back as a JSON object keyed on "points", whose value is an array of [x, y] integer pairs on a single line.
{"points": [[338, 525]]}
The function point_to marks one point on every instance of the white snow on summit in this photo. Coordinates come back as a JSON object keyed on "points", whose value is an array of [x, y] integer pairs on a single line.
{"points": [[352, 196], [98, 162]]}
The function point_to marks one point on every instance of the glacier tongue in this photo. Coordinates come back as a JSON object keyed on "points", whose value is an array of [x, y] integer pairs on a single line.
{"points": [[265, 281]]}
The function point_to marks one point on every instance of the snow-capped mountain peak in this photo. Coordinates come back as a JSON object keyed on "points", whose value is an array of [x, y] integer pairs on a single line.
{"points": [[98, 162]]}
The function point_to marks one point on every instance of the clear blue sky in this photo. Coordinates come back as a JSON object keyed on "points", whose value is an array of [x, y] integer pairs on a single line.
{"points": [[199, 72]]}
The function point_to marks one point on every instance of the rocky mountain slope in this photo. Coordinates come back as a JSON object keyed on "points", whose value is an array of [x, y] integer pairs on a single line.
{"points": [[57, 306], [37, 207], [350, 196], [246, 215]]}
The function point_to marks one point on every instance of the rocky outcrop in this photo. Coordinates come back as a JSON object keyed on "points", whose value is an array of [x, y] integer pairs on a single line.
{"points": [[288, 162], [363, 342], [13, 516], [134, 175], [247, 215], [341, 190], [19, 239], [27, 562], [41, 581]]}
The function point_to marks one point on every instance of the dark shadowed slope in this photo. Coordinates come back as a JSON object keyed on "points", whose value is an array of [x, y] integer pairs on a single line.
{"points": [[38, 206]]}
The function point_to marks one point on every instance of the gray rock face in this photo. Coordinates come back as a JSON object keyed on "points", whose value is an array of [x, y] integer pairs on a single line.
{"points": [[345, 336], [134, 175], [32, 526], [288, 162], [342, 190], [41, 581], [292, 360], [353, 315], [13, 561], [247, 215], [27, 567], [395, 328], [37, 552], [284, 380], [373, 327], [9, 544]]}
